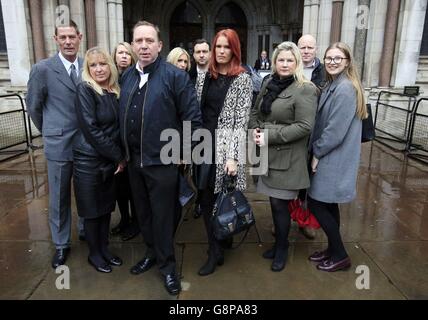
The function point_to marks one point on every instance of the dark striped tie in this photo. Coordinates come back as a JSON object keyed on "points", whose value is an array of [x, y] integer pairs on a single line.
{"points": [[73, 74]]}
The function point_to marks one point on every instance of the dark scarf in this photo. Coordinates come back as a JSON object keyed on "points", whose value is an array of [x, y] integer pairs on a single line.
{"points": [[273, 89]]}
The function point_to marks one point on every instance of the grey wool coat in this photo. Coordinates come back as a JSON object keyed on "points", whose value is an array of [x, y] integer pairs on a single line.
{"points": [[288, 127], [336, 142]]}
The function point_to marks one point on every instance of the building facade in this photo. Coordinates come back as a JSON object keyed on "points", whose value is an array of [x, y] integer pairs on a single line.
{"points": [[389, 38]]}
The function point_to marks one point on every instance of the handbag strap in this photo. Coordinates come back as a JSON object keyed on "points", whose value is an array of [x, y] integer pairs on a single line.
{"points": [[242, 240]]}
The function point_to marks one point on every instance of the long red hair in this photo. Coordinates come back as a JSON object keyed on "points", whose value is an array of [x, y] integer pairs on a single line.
{"points": [[235, 67]]}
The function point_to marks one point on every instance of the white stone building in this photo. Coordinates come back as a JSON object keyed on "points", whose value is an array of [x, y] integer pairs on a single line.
{"points": [[389, 38]]}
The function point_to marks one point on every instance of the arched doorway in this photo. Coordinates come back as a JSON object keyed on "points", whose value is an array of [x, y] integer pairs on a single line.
{"points": [[232, 16], [185, 26]]}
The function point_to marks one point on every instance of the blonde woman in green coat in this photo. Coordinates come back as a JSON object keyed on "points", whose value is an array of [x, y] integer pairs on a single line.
{"points": [[283, 118]]}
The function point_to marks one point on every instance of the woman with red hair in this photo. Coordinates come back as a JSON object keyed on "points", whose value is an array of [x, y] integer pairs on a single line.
{"points": [[225, 94]]}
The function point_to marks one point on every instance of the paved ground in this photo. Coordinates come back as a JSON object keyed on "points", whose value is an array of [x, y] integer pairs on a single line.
{"points": [[385, 230]]}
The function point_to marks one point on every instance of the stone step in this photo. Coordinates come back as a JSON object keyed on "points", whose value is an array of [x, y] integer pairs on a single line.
{"points": [[4, 74], [422, 73]]}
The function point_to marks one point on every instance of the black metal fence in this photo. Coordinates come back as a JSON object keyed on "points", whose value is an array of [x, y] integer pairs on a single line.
{"points": [[16, 129], [418, 138], [400, 125], [393, 120]]}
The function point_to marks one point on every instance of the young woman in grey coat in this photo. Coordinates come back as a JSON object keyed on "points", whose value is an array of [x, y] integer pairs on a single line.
{"points": [[335, 145], [283, 118]]}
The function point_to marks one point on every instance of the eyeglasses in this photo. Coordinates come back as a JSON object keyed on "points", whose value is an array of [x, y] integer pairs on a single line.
{"points": [[336, 60]]}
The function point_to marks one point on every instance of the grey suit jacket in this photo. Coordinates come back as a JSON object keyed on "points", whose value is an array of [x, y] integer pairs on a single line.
{"points": [[336, 142], [51, 101]]}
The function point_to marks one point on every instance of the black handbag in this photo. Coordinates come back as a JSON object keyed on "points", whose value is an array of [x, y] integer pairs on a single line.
{"points": [[232, 213], [368, 130]]}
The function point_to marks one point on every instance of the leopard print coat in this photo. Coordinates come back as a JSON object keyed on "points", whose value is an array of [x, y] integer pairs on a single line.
{"points": [[232, 127]]}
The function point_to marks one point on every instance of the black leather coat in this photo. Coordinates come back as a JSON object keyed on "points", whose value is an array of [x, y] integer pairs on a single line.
{"points": [[96, 152]]}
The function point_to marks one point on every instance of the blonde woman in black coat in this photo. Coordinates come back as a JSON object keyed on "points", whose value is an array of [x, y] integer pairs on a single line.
{"points": [[97, 154]]}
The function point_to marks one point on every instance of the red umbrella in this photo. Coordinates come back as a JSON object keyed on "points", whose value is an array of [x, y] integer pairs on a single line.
{"points": [[300, 213]]}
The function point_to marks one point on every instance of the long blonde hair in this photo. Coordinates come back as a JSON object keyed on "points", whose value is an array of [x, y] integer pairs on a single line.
{"points": [[290, 46], [175, 54], [114, 75], [352, 74]]}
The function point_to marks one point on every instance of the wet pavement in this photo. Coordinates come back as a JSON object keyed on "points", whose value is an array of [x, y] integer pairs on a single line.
{"points": [[385, 232]]}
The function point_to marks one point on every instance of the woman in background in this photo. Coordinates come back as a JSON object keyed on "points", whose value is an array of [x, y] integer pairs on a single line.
{"points": [[127, 227], [179, 58]]}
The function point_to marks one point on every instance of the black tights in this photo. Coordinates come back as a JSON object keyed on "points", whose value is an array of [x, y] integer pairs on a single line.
{"points": [[97, 235], [281, 221], [328, 216]]}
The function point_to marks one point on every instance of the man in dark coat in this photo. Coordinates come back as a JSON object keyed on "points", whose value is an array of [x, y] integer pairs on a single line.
{"points": [[155, 96], [313, 68]]}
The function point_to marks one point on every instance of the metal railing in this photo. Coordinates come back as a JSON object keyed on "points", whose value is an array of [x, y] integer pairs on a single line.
{"points": [[16, 129], [418, 137], [13, 129], [393, 122]]}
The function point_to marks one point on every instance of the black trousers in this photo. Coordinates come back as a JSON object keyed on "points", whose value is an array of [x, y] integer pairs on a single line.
{"points": [[124, 197], [155, 193], [328, 216]]}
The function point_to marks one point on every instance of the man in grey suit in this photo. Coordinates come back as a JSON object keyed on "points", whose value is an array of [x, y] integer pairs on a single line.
{"points": [[51, 105]]}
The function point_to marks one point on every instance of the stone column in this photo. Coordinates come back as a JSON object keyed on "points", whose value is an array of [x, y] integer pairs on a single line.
{"points": [[37, 29], [91, 28], [119, 21], [49, 18], [361, 35], [336, 21], [388, 50], [324, 26], [306, 16], [77, 12], [410, 39], [18, 50], [111, 7], [349, 22], [310, 17], [313, 26], [102, 26]]}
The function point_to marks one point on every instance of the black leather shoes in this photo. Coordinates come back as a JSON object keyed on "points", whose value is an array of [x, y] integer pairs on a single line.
{"points": [[269, 254], [319, 256], [60, 257], [105, 268], [172, 284], [143, 265], [115, 261], [330, 266]]}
